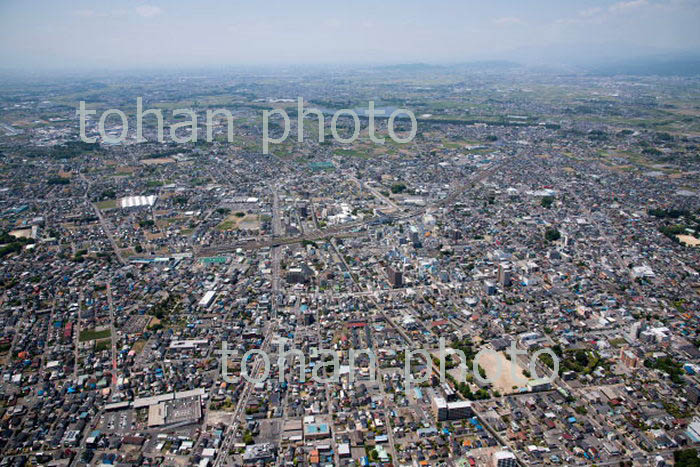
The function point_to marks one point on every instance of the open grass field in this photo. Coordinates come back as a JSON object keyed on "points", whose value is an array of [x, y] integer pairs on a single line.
{"points": [[236, 221], [107, 204], [93, 334]]}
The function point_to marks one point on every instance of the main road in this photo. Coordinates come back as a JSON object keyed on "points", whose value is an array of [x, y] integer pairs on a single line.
{"points": [[230, 435]]}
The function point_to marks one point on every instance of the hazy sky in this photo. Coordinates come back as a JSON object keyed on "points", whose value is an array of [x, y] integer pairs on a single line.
{"points": [[85, 34]]}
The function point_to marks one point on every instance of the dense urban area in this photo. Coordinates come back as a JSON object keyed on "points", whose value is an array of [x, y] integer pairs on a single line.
{"points": [[551, 214]]}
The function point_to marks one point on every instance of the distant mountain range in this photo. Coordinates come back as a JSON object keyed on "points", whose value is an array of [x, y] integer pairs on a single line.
{"points": [[646, 66], [610, 58], [660, 65], [480, 64]]}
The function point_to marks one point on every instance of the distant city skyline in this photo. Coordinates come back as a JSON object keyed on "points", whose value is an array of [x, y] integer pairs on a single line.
{"points": [[81, 35]]}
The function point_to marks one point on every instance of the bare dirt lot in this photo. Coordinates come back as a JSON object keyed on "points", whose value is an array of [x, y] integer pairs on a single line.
{"points": [[688, 240], [236, 221], [157, 161], [499, 369]]}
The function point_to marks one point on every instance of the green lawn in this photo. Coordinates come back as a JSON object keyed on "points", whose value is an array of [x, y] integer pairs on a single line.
{"points": [[91, 335], [102, 345], [107, 204]]}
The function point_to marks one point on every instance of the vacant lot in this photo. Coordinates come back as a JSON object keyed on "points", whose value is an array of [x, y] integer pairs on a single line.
{"points": [[498, 369], [157, 161], [688, 240], [104, 344], [22, 233], [107, 204], [94, 334], [238, 221]]}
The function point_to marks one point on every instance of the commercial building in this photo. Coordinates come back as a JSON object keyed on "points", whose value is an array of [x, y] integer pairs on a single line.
{"points": [[628, 358], [540, 384], [137, 201], [207, 299], [313, 431], [262, 452], [503, 459], [505, 275], [395, 277], [439, 405], [458, 410]]}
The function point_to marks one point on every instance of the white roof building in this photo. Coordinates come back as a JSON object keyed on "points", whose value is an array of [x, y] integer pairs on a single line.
{"points": [[136, 201]]}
